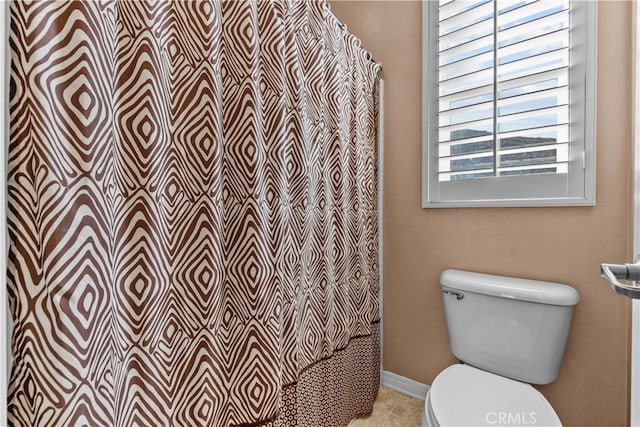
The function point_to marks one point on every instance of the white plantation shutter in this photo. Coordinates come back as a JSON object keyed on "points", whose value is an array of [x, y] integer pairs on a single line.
{"points": [[508, 103]]}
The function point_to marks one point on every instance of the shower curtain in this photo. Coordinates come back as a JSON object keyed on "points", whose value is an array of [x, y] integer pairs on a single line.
{"points": [[192, 215]]}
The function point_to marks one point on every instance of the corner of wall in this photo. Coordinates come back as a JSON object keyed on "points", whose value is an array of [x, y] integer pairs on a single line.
{"points": [[404, 385]]}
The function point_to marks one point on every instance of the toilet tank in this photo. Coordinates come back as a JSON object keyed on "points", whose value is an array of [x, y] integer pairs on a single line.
{"points": [[516, 328]]}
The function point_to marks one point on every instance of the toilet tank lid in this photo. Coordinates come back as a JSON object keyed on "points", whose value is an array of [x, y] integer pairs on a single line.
{"points": [[510, 287]]}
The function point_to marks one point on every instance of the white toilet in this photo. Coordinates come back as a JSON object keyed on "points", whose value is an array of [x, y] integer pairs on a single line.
{"points": [[509, 333]]}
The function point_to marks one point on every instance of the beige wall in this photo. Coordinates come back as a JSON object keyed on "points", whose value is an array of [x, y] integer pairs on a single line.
{"points": [[557, 244]]}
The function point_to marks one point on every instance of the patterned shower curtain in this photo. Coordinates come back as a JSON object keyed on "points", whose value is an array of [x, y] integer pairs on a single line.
{"points": [[192, 215]]}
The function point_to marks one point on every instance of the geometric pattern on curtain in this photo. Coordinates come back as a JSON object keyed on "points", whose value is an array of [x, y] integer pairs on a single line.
{"points": [[192, 215]]}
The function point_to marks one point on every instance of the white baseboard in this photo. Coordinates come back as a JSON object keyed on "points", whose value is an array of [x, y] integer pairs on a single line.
{"points": [[404, 385]]}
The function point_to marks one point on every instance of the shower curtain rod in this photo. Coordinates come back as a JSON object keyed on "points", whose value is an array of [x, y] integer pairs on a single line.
{"points": [[327, 8], [343, 26]]}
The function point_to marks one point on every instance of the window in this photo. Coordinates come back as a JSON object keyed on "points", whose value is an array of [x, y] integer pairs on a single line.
{"points": [[508, 103]]}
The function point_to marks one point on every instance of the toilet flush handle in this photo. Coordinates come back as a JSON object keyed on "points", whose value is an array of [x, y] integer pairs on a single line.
{"points": [[458, 295]]}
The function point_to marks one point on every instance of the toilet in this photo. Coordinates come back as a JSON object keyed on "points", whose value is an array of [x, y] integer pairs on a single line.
{"points": [[508, 333]]}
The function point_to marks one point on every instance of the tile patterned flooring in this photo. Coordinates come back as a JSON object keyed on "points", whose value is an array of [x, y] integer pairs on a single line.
{"points": [[392, 409]]}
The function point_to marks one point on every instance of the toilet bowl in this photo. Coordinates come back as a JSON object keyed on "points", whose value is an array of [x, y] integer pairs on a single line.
{"points": [[508, 333], [462, 395]]}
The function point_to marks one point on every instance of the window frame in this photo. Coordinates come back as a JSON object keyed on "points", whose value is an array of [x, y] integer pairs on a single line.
{"points": [[577, 188]]}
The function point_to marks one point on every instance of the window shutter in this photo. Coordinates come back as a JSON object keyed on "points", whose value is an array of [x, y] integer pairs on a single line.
{"points": [[503, 92], [504, 103]]}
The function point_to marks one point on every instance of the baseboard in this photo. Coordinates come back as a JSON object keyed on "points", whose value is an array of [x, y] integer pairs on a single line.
{"points": [[404, 385]]}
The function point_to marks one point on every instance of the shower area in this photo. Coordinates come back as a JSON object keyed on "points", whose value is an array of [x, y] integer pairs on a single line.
{"points": [[192, 214]]}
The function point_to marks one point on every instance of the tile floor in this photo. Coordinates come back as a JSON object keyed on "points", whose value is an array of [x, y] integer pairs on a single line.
{"points": [[392, 409]]}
